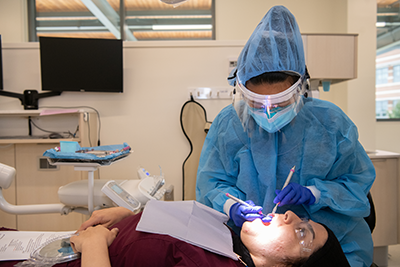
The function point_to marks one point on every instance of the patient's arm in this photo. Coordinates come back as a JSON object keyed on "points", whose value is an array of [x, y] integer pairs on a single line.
{"points": [[106, 217], [93, 244]]}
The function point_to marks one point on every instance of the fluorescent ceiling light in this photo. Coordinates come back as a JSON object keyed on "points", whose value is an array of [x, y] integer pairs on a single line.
{"points": [[64, 18], [392, 14], [84, 28], [387, 24], [182, 27], [170, 17]]}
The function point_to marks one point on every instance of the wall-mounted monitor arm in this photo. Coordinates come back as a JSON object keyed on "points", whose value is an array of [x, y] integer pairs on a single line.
{"points": [[30, 98]]}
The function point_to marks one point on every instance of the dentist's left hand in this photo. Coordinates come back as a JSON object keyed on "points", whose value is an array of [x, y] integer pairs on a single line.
{"points": [[106, 217], [294, 194]]}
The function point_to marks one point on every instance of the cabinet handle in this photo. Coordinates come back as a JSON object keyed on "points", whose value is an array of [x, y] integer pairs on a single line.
{"points": [[378, 160]]}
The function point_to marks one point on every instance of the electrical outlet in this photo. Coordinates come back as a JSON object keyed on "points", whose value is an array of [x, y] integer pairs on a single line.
{"points": [[85, 116], [211, 93]]}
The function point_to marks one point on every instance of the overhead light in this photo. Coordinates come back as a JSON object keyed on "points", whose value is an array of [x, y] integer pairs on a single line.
{"points": [[72, 28], [392, 14], [64, 18], [205, 16], [174, 3], [387, 24], [181, 27], [139, 27]]}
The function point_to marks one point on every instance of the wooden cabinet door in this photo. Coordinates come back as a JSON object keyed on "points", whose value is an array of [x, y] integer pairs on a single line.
{"points": [[38, 186], [384, 193]]}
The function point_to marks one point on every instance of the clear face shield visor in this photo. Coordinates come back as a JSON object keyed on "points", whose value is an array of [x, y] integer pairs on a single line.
{"points": [[271, 112]]}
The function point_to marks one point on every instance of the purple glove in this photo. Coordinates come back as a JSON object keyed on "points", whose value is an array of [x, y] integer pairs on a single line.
{"points": [[240, 213], [294, 194]]}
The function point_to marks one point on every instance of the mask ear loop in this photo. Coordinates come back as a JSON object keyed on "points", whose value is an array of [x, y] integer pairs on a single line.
{"points": [[305, 88], [233, 76]]}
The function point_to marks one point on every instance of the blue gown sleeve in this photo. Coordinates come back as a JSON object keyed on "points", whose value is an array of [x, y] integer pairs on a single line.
{"points": [[218, 168], [346, 185]]}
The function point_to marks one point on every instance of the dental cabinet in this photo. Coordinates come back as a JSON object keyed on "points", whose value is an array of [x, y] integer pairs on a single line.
{"points": [[22, 145], [330, 57], [384, 193]]}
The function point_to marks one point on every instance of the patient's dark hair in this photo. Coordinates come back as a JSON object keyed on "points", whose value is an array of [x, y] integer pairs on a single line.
{"points": [[273, 77], [329, 255]]}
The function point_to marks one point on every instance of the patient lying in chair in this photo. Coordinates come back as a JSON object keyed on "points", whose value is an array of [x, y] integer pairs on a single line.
{"points": [[286, 241], [110, 238]]}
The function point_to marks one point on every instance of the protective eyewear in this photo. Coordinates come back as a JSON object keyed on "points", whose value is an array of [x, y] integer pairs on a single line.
{"points": [[270, 103], [305, 235]]}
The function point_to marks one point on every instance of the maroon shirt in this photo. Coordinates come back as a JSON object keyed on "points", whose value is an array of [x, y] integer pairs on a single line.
{"points": [[133, 248]]}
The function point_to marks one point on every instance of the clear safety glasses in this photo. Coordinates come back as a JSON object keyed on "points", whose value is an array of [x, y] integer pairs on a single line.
{"points": [[305, 235], [271, 112]]}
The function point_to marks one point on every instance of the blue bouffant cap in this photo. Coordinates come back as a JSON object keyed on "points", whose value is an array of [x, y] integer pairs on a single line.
{"points": [[275, 45]]}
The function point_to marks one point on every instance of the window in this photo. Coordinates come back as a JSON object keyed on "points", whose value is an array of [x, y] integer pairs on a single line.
{"points": [[129, 20], [388, 61], [381, 76], [396, 74], [381, 108]]}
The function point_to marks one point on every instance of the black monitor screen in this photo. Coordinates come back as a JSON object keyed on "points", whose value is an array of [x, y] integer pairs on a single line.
{"points": [[1, 68], [77, 64]]}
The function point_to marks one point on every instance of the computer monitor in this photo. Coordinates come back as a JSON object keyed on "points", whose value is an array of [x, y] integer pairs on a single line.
{"points": [[30, 98], [81, 64]]}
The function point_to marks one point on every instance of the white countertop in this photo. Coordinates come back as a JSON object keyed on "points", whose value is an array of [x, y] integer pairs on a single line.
{"points": [[376, 154]]}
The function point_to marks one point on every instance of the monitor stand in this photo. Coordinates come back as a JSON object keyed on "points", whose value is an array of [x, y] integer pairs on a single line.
{"points": [[30, 98]]}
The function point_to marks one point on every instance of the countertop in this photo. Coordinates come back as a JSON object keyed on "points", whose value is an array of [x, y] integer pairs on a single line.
{"points": [[377, 154]]}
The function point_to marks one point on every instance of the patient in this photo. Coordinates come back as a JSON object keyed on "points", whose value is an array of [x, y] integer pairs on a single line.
{"points": [[286, 241]]}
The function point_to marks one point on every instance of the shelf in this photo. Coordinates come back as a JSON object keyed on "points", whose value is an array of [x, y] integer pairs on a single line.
{"points": [[17, 130], [40, 112], [35, 141]]}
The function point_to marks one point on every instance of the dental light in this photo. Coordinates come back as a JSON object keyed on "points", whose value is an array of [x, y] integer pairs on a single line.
{"points": [[7, 175], [74, 196]]}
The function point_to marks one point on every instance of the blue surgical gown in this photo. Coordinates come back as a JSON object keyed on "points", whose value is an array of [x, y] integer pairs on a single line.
{"points": [[322, 142]]}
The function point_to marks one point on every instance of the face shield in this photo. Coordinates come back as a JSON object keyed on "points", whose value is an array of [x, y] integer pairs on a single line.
{"points": [[270, 112]]}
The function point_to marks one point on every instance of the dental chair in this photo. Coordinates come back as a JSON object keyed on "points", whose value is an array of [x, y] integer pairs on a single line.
{"points": [[371, 218]]}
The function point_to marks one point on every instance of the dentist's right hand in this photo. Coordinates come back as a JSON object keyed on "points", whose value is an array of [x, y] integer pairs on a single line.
{"points": [[240, 213]]}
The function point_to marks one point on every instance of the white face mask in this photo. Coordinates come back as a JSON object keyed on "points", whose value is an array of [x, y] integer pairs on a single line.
{"points": [[277, 120]]}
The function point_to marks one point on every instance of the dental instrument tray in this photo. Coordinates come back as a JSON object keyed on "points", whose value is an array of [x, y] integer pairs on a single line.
{"points": [[72, 152], [56, 250]]}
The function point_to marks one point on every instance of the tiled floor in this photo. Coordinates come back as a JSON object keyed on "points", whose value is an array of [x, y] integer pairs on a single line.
{"points": [[394, 256]]}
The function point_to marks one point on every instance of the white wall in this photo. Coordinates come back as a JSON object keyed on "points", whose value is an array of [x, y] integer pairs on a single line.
{"points": [[13, 21], [157, 78], [156, 84]]}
